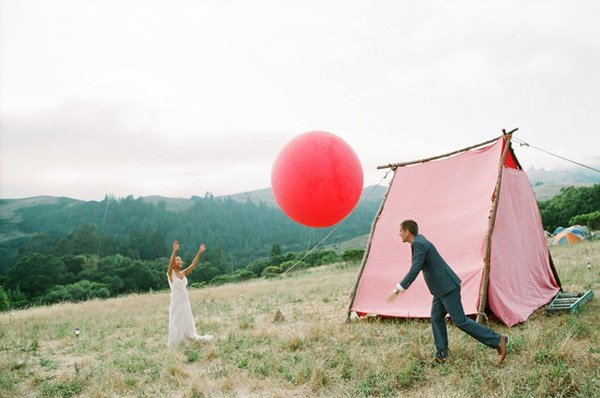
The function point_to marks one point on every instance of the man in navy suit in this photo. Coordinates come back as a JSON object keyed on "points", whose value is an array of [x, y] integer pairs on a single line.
{"points": [[444, 285]]}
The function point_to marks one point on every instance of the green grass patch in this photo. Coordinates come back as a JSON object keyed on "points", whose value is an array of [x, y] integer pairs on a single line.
{"points": [[7, 382], [63, 389]]}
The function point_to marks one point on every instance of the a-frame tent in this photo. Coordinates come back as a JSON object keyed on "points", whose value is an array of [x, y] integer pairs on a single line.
{"points": [[477, 207]]}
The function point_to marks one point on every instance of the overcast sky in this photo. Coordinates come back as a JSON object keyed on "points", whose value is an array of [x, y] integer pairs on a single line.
{"points": [[177, 98]]}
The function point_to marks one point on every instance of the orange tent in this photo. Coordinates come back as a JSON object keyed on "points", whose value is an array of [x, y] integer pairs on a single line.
{"points": [[565, 238]]}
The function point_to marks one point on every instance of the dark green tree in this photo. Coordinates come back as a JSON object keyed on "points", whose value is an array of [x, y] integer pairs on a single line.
{"points": [[204, 272], [40, 243], [84, 240], [9, 253], [148, 243], [275, 258], [34, 275], [570, 202], [17, 298], [74, 265], [4, 301]]}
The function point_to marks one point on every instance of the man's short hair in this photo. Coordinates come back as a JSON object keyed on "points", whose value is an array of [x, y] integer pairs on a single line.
{"points": [[410, 226]]}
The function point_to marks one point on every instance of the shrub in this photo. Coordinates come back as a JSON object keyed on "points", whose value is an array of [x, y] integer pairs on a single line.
{"points": [[57, 294], [79, 291], [242, 275], [591, 220], [271, 271], [257, 266], [353, 255], [289, 264], [329, 257], [220, 279]]}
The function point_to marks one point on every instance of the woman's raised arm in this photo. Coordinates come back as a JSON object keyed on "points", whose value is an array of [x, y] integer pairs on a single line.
{"points": [[172, 261], [195, 261]]}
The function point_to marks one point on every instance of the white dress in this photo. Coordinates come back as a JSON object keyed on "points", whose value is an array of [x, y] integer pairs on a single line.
{"points": [[181, 320]]}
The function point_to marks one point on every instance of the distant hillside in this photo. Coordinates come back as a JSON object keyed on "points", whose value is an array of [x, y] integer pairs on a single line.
{"points": [[261, 195], [356, 242], [547, 184], [371, 193], [545, 192], [9, 207], [237, 229], [572, 176], [171, 204]]}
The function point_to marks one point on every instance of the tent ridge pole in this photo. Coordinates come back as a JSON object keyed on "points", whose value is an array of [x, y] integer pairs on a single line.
{"points": [[393, 166], [491, 222]]}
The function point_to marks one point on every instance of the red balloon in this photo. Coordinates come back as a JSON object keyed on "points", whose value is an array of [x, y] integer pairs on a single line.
{"points": [[317, 179]]}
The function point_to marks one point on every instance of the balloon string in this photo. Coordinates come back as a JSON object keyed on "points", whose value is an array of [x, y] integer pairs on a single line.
{"points": [[337, 226], [102, 228], [310, 238]]}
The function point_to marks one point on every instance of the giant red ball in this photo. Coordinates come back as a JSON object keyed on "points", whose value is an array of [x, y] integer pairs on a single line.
{"points": [[317, 179]]}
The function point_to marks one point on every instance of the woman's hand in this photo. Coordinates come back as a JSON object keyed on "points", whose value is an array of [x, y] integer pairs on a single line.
{"points": [[195, 260], [176, 246]]}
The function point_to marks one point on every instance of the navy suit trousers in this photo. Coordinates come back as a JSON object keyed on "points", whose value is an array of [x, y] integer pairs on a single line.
{"points": [[451, 304]]}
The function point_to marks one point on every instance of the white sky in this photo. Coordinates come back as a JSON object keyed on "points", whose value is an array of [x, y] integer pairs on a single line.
{"points": [[177, 98]]}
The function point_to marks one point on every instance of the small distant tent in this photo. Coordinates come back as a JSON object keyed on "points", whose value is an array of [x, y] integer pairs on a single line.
{"points": [[477, 207], [565, 238], [572, 234], [579, 230]]}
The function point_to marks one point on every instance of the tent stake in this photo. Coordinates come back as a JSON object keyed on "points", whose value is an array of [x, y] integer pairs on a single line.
{"points": [[488, 239]]}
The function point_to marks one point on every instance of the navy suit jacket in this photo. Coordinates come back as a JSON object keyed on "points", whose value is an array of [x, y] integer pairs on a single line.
{"points": [[439, 277]]}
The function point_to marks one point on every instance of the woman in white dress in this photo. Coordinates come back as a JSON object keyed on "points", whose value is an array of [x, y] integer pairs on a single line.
{"points": [[181, 320]]}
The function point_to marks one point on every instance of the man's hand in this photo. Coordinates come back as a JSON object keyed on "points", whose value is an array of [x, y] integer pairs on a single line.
{"points": [[394, 293], [176, 246], [202, 249]]}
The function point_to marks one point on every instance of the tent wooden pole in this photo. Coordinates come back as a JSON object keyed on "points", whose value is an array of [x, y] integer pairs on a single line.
{"points": [[488, 240], [554, 273], [368, 249], [396, 165]]}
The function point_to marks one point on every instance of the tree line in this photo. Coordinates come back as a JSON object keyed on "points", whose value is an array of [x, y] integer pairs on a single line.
{"points": [[237, 232], [573, 205], [45, 278], [80, 250]]}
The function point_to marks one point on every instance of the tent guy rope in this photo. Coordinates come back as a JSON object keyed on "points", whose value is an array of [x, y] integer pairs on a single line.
{"points": [[335, 228], [523, 143]]}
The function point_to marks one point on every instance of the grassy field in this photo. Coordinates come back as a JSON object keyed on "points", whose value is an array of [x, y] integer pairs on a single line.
{"points": [[311, 352]]}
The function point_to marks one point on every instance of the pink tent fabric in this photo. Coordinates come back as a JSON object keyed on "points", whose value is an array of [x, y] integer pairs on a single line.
{"points": [[521, 279], [451, 200]]}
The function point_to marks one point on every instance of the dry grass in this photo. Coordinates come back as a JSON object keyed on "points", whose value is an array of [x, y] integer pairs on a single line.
{"points": [[311, 352]]}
